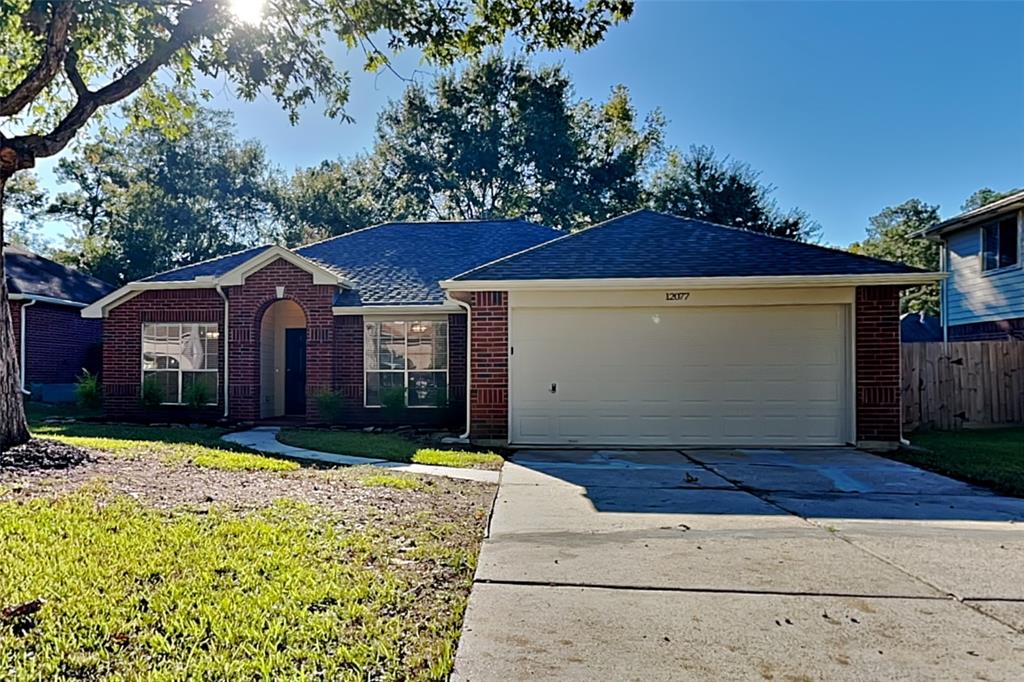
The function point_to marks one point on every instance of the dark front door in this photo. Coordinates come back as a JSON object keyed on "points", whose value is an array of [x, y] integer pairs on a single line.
{"points": [[295, 371]]}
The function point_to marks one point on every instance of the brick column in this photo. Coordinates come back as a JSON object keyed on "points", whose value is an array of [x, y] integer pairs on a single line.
{"points": [[489, 365], [878, 366]]}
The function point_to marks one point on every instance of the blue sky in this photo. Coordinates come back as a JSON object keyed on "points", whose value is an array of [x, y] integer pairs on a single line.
{"points": [[845, 107]]}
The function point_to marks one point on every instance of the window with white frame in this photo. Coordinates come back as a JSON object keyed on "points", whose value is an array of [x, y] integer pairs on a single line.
{"points": [[180, 356], [407, 358], [1000, 244]]}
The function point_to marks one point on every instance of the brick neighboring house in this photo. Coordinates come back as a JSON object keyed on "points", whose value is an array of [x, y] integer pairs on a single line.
{"points": [[645, 330], [983, 254], [54, 342]]}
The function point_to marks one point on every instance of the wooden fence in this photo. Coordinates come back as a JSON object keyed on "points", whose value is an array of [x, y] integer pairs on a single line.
{"points": [[962, 384]]}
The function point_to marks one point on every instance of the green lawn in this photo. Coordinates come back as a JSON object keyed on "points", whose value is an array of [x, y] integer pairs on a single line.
{"points": [[386, 446], [201, 447], [988, 457]]}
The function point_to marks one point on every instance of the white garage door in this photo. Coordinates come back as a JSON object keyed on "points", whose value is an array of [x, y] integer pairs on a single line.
{"points": [[757, 375]]}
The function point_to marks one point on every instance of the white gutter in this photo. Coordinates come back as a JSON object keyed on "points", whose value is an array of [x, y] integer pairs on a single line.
{"points": [[469, 361], [784, 281], [224, 296], [46, 299], [24, 329], [411, 309]]}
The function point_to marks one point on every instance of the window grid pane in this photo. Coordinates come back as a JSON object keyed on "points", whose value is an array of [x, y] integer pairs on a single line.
{"points": [[178, 355], [411, 356]]}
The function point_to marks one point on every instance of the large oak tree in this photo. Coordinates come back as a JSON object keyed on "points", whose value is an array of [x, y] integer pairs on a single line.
{"points": [[62, 61]]}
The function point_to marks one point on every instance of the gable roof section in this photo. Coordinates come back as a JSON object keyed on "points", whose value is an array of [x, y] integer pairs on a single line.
{"points": [[1006, 205], [31, 275], [214, 267], [402, 263], [651, 245]]}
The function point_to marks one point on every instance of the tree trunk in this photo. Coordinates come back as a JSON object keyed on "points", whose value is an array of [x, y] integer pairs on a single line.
{"points": [[13, 427]]}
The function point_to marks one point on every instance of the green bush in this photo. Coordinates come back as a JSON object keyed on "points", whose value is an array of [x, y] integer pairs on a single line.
{"points": [[197, 395], [331, 406], [88, 391], [153, 394], [392, 402]]}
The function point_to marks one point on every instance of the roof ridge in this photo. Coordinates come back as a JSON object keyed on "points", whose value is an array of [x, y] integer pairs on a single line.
{"points": [[536, 247], [822, 247], [419, 222]]}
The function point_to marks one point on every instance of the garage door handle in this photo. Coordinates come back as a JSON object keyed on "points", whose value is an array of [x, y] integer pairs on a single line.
{"points": [[554, 388]]}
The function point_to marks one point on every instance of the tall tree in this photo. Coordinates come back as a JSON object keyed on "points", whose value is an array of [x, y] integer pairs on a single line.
{"points": [[145, 201], [984, 197], [890, 235], [502, 139], [28, 202], [54, 51], [327, 200], [699, 184]]}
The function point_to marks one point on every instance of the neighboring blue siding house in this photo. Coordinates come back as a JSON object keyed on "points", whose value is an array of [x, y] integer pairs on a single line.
{"points": [[983, 297]]}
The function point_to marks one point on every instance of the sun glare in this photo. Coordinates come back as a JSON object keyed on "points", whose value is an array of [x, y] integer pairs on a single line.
{"points": [[249, 11]]}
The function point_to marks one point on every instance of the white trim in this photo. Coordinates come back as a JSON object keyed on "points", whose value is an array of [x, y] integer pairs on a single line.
{"points": [[24, 330], [415, 309], [775, 282], [46, 299], [235, 277]]}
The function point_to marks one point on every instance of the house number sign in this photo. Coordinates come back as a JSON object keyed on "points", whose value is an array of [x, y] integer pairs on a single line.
{"points": [[677, 295]]}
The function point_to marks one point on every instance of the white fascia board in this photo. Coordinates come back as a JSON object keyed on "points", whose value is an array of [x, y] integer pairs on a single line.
{"points": [[236, 277], [46, 299], [395, 309], [786, 281], [101, 307]]}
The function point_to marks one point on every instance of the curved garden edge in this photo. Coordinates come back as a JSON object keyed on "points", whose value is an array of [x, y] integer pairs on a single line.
{"points": [[264, 439]]}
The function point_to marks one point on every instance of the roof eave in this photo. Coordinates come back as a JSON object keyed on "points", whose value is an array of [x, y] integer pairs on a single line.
{"points": [[758, 282], [980, 215]]}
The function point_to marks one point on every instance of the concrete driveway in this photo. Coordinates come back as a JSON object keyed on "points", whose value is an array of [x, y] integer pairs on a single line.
{"points": [[744, 564]]}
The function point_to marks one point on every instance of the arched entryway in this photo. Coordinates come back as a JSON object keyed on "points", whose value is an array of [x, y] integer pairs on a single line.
{"points": [[283, 360]]}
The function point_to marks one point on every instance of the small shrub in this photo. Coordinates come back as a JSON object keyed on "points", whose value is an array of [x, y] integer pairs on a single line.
{"points": [[331, 405], [392, 402], [88, 391], [197, 395], [153, 394], [392, 481]]}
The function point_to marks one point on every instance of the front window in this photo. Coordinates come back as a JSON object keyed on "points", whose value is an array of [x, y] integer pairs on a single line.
{"points": [[178, 357], [1000, 244], [406, 361]]}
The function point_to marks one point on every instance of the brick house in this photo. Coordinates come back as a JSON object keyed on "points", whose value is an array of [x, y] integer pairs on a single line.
{"points": [[645, 330], [55, 343]]}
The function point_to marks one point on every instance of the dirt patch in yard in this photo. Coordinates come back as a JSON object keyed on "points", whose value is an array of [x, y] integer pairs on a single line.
{"points": [[168, 486]]}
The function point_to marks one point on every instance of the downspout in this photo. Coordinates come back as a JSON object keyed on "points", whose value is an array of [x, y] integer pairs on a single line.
{"points": [[469, 361], [944, 297], [224, 296], [21, 367]]}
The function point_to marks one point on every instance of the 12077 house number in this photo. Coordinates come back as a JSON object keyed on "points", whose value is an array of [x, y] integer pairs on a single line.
{"points": [[677, 295]]}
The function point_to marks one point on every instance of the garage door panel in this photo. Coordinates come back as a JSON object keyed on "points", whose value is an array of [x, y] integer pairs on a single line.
{"points": [[730, 375]]}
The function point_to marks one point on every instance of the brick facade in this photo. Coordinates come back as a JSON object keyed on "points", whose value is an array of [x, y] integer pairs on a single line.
{"points": [[60, 343], [489, 365], [334, 349], [247, 303], [122, 346], [878, 364], [993, 330]]}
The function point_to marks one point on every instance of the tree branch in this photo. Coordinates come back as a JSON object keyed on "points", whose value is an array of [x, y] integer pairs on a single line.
{"points": [[49, 64], [190, 22], [71, 69]]}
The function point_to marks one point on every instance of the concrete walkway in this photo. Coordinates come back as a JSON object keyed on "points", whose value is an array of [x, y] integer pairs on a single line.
{"points": [[264, 439], [737, 565]]}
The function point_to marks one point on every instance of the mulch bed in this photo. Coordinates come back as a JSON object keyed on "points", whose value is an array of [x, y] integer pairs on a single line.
{"points": [[40, 453]]}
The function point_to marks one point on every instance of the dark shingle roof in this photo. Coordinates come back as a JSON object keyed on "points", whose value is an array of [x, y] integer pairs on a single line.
{"points": [[32, 275], [648, 244], [215, 267], [402, 263]]}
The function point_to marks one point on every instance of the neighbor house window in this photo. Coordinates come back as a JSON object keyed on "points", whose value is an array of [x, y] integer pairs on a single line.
{"points": [[407, 359], [178, 356], [1000, 244]]}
